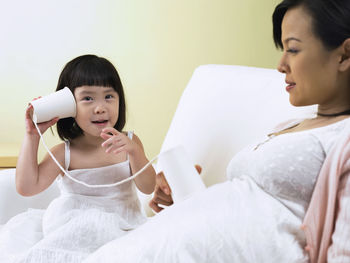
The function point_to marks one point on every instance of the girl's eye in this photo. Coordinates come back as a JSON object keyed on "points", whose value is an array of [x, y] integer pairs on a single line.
{"points": [[109, 96], [87, 98]]}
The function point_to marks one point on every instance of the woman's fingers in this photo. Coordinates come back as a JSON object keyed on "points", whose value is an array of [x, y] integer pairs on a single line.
{"points": [[162, 183], [163, 201], [154, 206], [162, 194], [198, 168]]}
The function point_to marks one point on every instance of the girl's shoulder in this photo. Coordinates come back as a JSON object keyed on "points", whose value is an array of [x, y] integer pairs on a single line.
{"points": [[58, 148], [58, 151]]}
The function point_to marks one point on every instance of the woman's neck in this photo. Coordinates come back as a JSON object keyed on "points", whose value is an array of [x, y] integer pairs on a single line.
{"points": [[334, 111]]}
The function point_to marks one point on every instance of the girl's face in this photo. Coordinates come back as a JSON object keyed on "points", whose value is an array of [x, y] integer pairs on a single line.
{"points": [[311, 70], [97, 108]]}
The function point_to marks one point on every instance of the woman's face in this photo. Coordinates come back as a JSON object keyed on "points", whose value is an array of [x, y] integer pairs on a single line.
{"points": [[311, 70]]}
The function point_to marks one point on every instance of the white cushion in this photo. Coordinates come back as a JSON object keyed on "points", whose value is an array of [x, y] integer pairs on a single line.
{"points": [[222, 109], [12, 203]]}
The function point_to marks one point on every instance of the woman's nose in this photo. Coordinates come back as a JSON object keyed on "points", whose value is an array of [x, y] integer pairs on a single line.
{"points": [[282, 65]]}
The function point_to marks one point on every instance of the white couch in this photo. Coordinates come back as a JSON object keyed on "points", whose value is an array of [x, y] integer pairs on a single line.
{"points": [[222, 109]]}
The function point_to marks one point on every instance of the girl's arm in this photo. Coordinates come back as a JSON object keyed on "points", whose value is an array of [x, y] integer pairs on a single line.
{"points": [[146, 180], [32, 178], [119, 142]]}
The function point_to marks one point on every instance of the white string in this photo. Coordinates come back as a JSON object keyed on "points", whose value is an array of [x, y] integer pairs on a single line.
{"points": [[83, 183]]}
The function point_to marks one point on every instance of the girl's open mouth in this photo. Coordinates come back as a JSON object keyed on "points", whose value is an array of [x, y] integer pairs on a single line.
{"points": [[100, 122]]}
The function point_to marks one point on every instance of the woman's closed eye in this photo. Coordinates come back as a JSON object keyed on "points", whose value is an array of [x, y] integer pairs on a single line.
{"points": [[292, 50]]}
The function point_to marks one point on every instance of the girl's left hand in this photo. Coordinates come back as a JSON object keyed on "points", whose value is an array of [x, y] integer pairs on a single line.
{"points": [[117, 142]]}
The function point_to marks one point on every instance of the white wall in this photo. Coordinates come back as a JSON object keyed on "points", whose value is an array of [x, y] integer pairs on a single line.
{"points": [[155, 45]]}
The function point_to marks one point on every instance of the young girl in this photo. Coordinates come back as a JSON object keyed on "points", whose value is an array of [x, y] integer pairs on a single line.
{"points": [[95, 151]]}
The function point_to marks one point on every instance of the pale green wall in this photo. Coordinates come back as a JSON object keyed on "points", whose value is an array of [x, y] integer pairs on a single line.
{"points": [[155, 45]]}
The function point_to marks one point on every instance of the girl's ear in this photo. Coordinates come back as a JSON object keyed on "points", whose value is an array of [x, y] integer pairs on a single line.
{"points": [[344, 63]]}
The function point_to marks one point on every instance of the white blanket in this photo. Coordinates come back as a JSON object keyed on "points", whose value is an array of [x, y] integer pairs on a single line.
{"points": [[69, 230], [231, 222]]}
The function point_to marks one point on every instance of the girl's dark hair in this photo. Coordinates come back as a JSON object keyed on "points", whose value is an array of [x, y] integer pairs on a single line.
{"points": [[89, 70], [330, 20]]}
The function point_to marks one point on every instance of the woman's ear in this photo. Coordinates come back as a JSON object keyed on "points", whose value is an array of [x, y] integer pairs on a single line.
{"points": [[344, 63]]}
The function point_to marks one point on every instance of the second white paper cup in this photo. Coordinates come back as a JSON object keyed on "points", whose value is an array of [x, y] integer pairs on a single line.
{"points": [[180, 173], [58, 104]]}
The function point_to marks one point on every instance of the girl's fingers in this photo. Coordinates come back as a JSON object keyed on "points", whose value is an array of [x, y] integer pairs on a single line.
{"points": [[29, 110], [114, 147], [105, 136], [110, 130], [47, 124], [114, 140], [54, 121], [119, 150]]}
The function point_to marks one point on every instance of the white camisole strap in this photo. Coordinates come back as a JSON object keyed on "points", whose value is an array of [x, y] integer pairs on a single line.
{"points": [[66, 155], [130, 135]]}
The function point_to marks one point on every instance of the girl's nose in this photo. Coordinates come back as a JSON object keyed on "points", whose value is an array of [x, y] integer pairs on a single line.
{"points": [[100, 109]]}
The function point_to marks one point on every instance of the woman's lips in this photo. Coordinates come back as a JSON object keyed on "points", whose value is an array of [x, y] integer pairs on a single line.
{"points": [[290, 86]]}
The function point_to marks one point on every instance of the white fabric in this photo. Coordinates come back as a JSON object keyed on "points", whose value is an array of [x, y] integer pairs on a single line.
{"points": [[229, 222], [76, 223], [227, 107], [286, 166], [12, 203], [255, 217]]}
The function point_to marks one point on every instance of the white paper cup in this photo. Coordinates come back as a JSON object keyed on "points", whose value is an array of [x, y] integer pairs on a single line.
{"points": [[180, 173], [59, 104]]}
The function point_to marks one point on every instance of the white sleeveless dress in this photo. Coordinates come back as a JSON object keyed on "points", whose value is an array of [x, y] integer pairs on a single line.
{"points": [[255, 216], [79, 221]]}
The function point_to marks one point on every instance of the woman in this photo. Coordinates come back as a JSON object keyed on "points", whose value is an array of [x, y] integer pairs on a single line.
{"points": [[256, 216]]}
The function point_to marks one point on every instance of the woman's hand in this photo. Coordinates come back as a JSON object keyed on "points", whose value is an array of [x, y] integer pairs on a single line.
{"points": [[117, 142], [162, 192], [30, 127]]}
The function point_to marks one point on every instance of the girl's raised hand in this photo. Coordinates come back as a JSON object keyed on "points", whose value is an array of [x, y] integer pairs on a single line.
{"points": [[117, 142], [30, 127]]}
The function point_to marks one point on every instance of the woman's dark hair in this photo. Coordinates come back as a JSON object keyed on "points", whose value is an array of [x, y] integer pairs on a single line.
{"points": [[330, 20], [89, 70]]}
